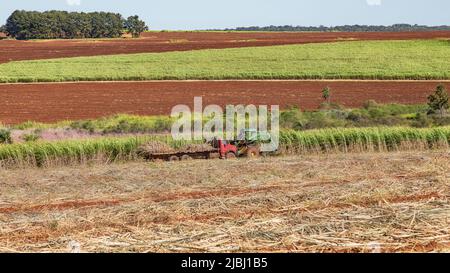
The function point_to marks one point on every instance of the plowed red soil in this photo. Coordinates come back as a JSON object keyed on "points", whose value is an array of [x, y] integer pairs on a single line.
{"points": [[72, 101], [11, 50]]}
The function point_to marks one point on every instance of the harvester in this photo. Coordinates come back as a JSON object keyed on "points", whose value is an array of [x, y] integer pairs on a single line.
{"points": [[248, 144]]}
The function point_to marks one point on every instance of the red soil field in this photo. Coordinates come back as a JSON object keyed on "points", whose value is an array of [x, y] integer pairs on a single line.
{"points": [[72, 101], [11, 50]]}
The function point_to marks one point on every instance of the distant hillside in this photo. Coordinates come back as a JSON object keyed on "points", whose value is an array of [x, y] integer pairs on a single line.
{"points": [[346, 28]]}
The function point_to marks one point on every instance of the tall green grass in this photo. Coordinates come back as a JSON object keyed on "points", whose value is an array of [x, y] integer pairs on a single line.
{"points": [[65, 152], [365, 139], [42, 154], [420, 59]]}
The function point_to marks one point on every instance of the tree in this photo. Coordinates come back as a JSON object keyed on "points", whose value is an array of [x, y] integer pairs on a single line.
{"points": [[16, 25], [135, 26], [24, 25], [438, 102], [346, 28], [326, 94]]}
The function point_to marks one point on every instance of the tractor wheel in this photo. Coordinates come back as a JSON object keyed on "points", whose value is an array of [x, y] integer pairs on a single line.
{"points": [[253, 152], [174, 158], [230, 156], [186, 158]]}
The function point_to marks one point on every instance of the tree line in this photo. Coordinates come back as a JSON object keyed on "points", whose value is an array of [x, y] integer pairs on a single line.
{"points": [[345, 28], [25, 25]]}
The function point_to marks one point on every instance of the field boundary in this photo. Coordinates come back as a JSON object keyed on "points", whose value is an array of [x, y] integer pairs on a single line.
{"points": [[231, 80]]}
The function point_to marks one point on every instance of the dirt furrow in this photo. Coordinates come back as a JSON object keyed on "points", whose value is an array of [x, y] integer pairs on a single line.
{"points": [[11, 50], [74, 101]]}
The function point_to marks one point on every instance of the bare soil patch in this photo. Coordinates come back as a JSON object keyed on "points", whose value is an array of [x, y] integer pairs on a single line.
{"points": [[11, 50], [73, 101]]}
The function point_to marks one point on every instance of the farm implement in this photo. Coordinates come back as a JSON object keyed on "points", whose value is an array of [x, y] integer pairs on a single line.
{"points": [[247, 145]]}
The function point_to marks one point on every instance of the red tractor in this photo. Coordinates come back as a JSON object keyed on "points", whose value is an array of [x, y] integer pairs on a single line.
{"points": [[236, 148]]}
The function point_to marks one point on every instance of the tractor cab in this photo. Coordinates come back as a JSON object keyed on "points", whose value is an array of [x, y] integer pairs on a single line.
{"points": [[250, 136]]}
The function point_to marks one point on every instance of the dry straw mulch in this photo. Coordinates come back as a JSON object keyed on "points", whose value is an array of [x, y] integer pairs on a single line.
{"points": [[381, 202]]}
